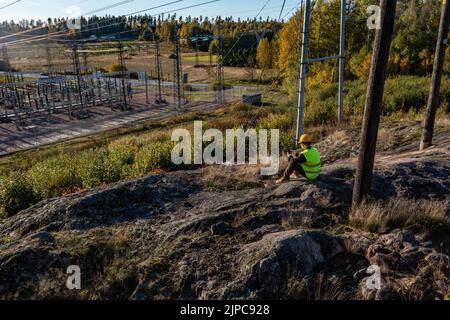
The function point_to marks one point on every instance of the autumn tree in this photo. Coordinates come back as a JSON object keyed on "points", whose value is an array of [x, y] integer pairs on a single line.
{"points": [[264, 54]]}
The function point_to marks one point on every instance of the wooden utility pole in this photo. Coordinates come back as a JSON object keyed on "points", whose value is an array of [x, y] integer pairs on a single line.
{"points": [[433, 99], [374, 98]]}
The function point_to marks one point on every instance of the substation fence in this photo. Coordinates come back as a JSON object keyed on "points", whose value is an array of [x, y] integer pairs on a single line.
{"points": [[25, 99], [76, 98]]}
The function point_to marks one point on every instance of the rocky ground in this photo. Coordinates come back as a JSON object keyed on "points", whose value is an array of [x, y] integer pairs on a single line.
{"points": [[179, 236]]}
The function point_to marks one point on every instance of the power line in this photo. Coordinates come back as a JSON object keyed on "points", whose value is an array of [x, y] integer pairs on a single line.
{"points": [[242, 34], [114, 5], [282, 9], [62, 22], [10, 4], [98, 10], [290, 11], [37, 38]]}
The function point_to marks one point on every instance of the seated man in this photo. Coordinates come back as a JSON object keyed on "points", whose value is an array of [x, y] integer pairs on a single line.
{"points": [[307, 164]]}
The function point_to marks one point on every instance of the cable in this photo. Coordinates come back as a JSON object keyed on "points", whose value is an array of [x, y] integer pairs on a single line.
{"points": [[10, 4], [38, 38], [113, 18], [290, 11], [282, 9], [62, 22], [121, 3], [242, 34]]}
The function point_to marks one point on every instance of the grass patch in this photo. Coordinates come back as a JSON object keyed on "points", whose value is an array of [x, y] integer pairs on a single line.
{"points": [[317, 288], [381, 217], [221, 178]]}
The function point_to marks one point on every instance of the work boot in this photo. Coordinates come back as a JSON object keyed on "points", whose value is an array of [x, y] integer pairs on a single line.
{"points": [[295, 175], [282, 180]]}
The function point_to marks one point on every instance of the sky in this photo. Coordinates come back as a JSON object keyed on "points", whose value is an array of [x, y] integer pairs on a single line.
{"points": [[43, 9]]}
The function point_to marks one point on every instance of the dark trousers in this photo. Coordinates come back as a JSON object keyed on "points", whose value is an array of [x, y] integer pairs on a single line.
{"points": [[294, 168]]}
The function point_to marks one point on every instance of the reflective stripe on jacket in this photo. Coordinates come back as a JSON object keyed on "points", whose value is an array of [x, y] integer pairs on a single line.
{"points": [[313, 166]]}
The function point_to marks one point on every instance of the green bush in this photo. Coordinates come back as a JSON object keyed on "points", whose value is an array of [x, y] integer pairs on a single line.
{"points": [[277, 121], [55, 177], [123, 151], [16, 194], [402, 94], [116, 68], [96, 168], [223, 124], [215, 86], [154, 156], [411, 94], [320, 112]]}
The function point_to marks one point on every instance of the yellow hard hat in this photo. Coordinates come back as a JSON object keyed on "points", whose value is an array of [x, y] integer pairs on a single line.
{"points": [[306, 138]]}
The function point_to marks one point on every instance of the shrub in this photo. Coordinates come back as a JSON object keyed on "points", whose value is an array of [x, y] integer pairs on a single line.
{"points": [[215, 86], [188, 87], [16, 194], [152, 157], [360, 64], [402, 95], [227, 123], [123, 151], [115, 68], [55, 177], [321, 112], [321, 75], [95, 168], [241, 107], [280, 121]]}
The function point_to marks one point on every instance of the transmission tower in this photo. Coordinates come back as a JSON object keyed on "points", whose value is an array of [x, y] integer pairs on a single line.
{"points": [[158, 65], [219, 72], [305, 61], [7, 64], [197, 57], [48, 53], [85, 60], [297, 78], [177, 68], [77, 73], [124, 106]]}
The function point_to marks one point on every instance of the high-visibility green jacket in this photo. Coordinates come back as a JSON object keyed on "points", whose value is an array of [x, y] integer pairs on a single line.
{"points": [[312, 166]]}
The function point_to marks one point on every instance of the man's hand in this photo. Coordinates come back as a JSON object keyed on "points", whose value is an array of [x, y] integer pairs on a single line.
{"points": [[289, 156]]}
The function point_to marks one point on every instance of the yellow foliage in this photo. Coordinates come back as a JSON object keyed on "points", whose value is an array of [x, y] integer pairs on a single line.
{"points": [[264, 55], [405, 65], [321, 75], [288, 43], [364, 69], [394, 63]]}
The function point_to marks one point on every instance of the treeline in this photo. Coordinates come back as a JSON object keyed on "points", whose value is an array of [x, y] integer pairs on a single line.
{"points": [[145, 26]]}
